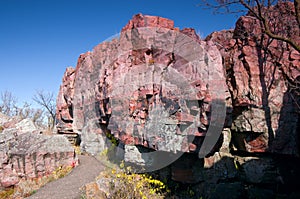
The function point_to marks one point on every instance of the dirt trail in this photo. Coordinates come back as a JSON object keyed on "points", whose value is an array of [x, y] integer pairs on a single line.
{"points": [[68, 187]]}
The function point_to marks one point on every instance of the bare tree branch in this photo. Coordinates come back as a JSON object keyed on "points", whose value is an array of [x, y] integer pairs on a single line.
{"points": [[259, 9], [8, 103], [47, 101]]}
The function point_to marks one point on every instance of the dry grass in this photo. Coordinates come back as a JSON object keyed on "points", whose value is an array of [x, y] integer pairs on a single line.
{"points": [[26, 188], [1, 129], [77, 150], [122, 183], [7, 193]]}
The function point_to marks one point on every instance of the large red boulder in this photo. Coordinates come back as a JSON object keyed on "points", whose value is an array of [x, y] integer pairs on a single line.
{"points": [[152, 86]]}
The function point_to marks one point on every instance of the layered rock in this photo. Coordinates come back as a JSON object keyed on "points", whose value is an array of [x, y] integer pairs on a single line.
{"points": [[26, 154], [153, 86], [262, 75], [64, 101], [132, 87]]}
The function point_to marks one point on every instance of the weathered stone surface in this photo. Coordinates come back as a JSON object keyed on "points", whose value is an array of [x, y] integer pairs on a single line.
{"points": [[141, 20], [3, 119], [64, 102], [11, 122], [93, 140], [151, 87], [132, 87], [26, 154], [19, 126], [92, 190], [261, 77], [133, 154], [26, 125]]}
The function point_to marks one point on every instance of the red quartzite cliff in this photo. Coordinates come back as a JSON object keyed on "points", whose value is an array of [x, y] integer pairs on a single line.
{"points": [[148, 87], [151, 87], [263, 76]]}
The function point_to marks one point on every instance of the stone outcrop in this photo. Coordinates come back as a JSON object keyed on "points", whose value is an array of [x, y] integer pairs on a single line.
{"points": [[262, 75], [146, 88], [111, 92], [26, 154], [64, 102]]}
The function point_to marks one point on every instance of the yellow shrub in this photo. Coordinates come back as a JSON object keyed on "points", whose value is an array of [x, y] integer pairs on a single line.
{"points": [[77, 150], [124, 184]]}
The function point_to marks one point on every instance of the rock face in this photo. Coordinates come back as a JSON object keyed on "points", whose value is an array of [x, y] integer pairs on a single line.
{"points": [[64, 102], [24, 153], [154, 88], [150, 87], [261, 78]]}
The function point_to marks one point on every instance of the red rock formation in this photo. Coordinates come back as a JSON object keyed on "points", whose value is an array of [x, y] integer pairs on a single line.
{"points": [[146, 88], [26, 154], [141, 20], [64, 111], [260, 75], [112, 91]]}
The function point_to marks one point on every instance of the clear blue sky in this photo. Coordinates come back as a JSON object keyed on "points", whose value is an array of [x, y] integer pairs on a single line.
{"points": [[40, 38]]}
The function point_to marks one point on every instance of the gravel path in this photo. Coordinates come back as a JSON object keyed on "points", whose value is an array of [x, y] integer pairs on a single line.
{"points": [[68, 187]]}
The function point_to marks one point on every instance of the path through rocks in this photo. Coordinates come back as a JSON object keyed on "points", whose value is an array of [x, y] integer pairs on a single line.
{"points": [[69, 186]]}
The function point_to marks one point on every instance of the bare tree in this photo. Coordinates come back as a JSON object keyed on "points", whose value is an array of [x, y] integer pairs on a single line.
{"points": [[282, 29], [8, 104], [37, 115], [47, 101]]}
